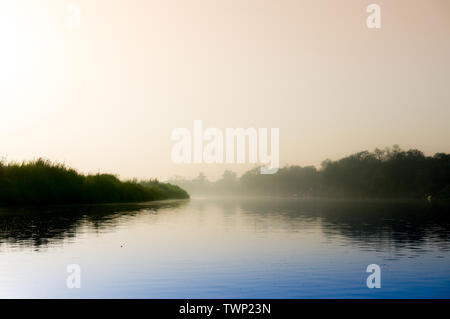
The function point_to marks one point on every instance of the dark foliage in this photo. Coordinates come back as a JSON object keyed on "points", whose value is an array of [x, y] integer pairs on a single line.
{"points": [[388, 173], [42, 182]]}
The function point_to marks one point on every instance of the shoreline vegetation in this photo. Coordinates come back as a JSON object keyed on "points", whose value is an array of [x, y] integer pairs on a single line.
{"points": [[42, 182], [391, 173]]}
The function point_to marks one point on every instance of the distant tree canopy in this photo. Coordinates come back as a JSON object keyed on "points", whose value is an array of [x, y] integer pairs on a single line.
{"points": [[388, 173], [42, 182]]}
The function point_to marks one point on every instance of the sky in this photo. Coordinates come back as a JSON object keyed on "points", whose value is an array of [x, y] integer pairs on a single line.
{"points": [[105, 95]]}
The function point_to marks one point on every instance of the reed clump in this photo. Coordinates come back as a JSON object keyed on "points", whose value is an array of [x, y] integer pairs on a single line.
{"points": [[43, 182]]}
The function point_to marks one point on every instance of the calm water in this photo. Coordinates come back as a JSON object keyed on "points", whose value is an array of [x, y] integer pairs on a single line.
{"points": [[227, 248]]}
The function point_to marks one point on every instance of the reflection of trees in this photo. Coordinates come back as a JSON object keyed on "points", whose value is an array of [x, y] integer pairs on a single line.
{"points": [[368, 223], [41, 226]]}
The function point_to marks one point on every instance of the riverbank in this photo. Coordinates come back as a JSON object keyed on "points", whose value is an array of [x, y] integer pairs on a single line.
{"points": [[42, 182]]}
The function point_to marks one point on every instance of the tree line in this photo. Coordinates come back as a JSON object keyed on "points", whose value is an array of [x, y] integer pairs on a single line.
{"points": [[388, 173]]}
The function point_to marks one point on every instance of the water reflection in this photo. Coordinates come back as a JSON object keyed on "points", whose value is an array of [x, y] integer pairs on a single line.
{"points": [[41, 227], [374, 225], [228, 248]]}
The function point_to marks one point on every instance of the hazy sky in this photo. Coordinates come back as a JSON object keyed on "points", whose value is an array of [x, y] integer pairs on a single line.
{"points": [[107, 95]]}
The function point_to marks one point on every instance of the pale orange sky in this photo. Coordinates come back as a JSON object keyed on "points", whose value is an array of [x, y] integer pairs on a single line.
{"points": [[106, 97]]}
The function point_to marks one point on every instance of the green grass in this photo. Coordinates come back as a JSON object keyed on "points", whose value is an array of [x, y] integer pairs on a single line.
{"points": [[42, 182]]}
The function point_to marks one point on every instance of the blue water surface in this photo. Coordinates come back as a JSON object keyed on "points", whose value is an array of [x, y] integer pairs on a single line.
{"points": [[227, 248]]}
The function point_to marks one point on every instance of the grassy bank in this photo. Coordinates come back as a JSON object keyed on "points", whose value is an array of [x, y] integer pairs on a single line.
{"points": [[42, 182]]}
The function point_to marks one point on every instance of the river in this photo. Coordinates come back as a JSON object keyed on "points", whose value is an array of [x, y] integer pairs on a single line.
{"points": [[227, 248]]}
